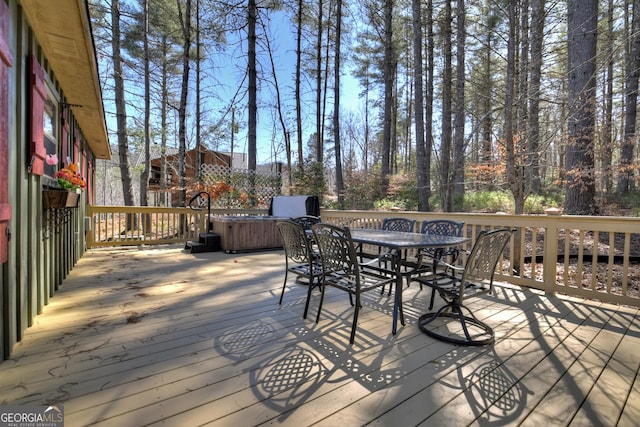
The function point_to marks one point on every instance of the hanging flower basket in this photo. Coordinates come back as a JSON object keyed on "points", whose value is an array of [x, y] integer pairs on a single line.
{"points": [[69, 178], [58, 199]]}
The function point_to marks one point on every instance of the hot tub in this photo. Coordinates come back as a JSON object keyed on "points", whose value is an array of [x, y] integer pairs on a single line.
{"points": [[252, 233], [247, 233]]}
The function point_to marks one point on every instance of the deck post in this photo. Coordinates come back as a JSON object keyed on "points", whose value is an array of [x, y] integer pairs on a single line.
{"points": [[550, 256]]}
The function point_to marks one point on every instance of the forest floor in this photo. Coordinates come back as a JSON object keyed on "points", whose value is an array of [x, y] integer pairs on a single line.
{"points": [[620, 275]]}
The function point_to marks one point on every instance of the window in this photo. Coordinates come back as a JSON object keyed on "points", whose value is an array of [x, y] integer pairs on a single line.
{"points": [[49, 121]]}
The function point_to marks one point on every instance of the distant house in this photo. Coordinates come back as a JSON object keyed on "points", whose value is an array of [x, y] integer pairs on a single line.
{"points": [[172, 178], [51, 117]]}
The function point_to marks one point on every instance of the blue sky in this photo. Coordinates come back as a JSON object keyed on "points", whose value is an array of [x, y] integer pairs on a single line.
{"points": [[227, 73], [283, 45]]}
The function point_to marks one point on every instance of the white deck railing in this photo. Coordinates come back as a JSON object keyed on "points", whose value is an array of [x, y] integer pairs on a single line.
{"points": [[549, 252]]}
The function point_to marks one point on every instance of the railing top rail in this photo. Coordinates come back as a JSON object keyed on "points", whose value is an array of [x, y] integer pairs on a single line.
{"points": [[577, 255], [609, 223]]}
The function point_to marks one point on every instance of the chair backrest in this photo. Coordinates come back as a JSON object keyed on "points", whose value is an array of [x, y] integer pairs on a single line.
{"points": [[297, 246], [306, 221], [336, 248], [481, 263], [399, 224], [442, 227]]}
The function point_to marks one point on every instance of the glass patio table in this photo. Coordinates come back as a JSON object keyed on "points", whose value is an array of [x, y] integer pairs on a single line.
{"points": [[397, 242]]}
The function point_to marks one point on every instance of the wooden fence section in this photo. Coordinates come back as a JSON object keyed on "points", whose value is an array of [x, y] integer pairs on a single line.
{"points": [[137, 225], [587, 256]]}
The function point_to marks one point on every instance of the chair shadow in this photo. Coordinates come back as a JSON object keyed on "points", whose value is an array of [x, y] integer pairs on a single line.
{"points": [[287, 379], [494, 394], [242, 342], [312, 356]]}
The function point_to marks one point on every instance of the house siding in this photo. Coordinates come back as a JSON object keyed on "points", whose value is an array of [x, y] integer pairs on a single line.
{"points": [[40, 252]]}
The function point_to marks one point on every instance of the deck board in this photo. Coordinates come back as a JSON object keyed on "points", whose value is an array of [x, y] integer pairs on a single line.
{"points": [[162, 337]]}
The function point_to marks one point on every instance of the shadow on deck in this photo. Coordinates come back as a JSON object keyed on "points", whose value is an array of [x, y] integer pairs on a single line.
{"points": [[157, 335]]}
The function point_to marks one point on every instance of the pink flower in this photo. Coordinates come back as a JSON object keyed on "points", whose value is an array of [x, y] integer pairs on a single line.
{"points": [[51, 159]]}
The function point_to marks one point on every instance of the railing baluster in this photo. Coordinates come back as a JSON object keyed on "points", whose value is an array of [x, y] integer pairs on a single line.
{"points": [[625, 265], [594, 260], [610, 261], [559, 234]]}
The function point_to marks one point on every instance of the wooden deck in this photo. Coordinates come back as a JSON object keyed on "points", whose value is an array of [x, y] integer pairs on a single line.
{"points": [[158, 336]]}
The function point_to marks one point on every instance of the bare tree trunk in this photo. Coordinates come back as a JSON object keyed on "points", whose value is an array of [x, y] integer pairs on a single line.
{"points": [[486, 152], [336, 107], [121, 112], [199, 148], [366, 126], [163, 132], [626, 174], [144, 176], [508, 102], [389, 77], [607, 128], [514, 177], [393, 145], [428, 112], [279, 108], [514, 172], [582, 41], [458, 152], [325, 79], [522, 75], [252, 133], [182, 109], [298, 82], [407, 159], [423, 201], [537, 35], [319, 150], [445, 153]]}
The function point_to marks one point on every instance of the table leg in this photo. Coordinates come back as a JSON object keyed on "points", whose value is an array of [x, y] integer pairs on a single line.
{"points": [[397, 302]]}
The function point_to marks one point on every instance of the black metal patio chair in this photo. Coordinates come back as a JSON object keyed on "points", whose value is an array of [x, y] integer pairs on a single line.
{"points": [[398, 224], [300, 257], [405, 225], [429, 258], [460, 283], [342, 270], [391, 224]]}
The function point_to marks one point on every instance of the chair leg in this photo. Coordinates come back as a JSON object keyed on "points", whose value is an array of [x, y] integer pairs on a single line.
{"points": [[284, 285], [306, 305], [320, 305], [463, 322], [433, 297], [454, 311], [354, 325], [471, 318]]}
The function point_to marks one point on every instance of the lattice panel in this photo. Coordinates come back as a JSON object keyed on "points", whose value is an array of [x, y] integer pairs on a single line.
{"points": [[237, 188]]}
